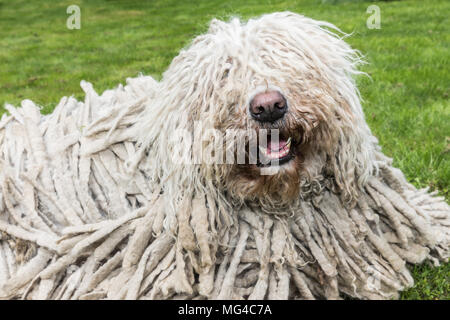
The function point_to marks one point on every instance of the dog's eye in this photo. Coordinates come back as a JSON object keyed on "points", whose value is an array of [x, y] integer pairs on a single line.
{"points": [[227, 68], [225, 74]]}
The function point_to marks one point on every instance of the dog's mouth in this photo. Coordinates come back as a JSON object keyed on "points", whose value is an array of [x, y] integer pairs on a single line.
{"points": [[277, 150]]}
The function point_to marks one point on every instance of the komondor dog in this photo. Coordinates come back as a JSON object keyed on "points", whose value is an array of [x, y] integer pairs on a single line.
{"points": [[247, 172]]}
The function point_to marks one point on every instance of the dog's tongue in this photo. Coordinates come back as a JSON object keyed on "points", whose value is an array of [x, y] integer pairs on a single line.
{"points": [[276, 145], [276, 149]]}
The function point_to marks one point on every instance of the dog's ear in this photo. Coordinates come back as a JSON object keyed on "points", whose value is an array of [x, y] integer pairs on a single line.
{"points": [[353, 157], [355, 146]]}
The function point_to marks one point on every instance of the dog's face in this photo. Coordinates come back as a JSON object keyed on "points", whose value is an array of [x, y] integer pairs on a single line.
{"points": [[282, 85]]}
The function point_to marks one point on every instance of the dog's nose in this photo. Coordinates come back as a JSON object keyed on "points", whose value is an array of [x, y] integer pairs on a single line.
{"points": [[268, 106]]}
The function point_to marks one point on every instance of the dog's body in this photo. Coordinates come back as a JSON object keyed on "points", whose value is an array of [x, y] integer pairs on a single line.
{"points": [[98, 201]]}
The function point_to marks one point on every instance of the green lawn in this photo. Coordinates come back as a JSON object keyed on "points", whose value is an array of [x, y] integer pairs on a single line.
{"points": [[405, 100]]}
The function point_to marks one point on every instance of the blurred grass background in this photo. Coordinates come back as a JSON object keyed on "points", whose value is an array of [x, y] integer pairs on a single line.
{"points": [[406, 98]]}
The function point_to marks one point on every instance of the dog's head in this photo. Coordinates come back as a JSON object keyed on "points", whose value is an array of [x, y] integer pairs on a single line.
{"points": [[282, 87]]}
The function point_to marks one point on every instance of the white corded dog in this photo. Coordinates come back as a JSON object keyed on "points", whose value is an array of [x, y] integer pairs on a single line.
{"points": [[248, 172]]}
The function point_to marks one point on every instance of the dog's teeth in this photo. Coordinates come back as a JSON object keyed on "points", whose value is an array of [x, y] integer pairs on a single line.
{"points": [[276, 154]]}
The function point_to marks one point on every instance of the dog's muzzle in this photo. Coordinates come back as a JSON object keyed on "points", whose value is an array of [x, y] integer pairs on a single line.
{"points": [[268, 107]]}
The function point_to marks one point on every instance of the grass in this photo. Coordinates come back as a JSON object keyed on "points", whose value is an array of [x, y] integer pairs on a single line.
{"points": [[406, 98]]}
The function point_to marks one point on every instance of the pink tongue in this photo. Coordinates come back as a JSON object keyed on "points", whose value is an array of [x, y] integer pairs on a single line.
{"points": [[276, 145]]}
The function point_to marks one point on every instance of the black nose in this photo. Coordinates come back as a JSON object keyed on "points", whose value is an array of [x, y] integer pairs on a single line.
{"points": [[268, 106]]}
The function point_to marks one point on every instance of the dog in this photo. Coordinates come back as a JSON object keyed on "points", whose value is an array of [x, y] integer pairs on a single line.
{"points": [[247, 172]]}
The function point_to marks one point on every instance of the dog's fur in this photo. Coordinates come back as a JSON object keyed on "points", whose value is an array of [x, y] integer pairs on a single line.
{"points": [[328, 222]]}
